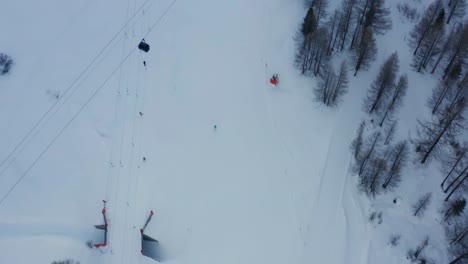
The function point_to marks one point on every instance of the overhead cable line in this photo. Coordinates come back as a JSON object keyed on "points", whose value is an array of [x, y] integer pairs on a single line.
{"points": [[71, 86], [82, 107]]}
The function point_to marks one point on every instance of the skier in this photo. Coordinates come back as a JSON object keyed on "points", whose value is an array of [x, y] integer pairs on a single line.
{"points": [[144, 63], [274, 79]]}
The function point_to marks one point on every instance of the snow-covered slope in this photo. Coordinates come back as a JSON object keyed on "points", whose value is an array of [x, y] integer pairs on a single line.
{"points": [[269, 184]]}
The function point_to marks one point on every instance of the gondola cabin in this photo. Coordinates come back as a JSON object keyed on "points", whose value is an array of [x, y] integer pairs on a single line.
{"points": [[144, 46]]}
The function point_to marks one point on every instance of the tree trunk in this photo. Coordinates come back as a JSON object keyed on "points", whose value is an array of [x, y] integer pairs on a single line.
{"points": [[330, 47], [394, 99], [359, 61], [384, 117], [426, 29], [392, 169], [319, 11], [390, 133], [453, 168], [377, 99], [349, 12], [306, 50], [446, 126], [375, 176], [456, 179], [338, 86], [448, 214], [441, 55], [423, 35], [453, 8], [358, 25], [420, 248], [353, 40], [452, 59], [455, 99], [421, 206], [441, 98], [456, 187], [462, 256], [459, 237], [463, 80], [433, 145], [317, 65], [364, 162], [335, 38], [431, 51], [427, 54]]}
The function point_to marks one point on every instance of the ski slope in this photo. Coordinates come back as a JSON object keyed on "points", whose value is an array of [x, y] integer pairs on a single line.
{"points": [[269, 185]]}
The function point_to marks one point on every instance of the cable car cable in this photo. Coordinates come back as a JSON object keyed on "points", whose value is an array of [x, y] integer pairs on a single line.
{"points": [[46, 115], [70, 86], [82, 107]]}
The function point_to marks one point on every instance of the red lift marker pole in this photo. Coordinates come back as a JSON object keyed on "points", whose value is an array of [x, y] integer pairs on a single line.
{"points": [[104, 227], [142, 231]]}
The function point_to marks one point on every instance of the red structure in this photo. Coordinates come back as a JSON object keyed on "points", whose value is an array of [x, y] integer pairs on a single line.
{"points": [[103, 227], [274, 79], [146, 238]]}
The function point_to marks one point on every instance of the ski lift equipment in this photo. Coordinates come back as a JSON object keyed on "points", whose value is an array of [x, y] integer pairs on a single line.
{"points": [[144, 46], [103, 227]]}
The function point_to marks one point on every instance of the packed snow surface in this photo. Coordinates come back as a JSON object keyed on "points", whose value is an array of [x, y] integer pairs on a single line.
{"points": [[271, 183]]}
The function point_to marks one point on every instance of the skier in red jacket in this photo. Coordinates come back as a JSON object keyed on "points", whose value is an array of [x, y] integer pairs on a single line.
{"points": [[274, 79]]}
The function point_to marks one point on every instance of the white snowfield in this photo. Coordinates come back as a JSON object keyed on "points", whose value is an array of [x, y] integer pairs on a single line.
{"points": [[270, 184]]}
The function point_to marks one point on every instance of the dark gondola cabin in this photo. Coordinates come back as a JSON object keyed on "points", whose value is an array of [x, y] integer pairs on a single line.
{"points": [[144, 46]]}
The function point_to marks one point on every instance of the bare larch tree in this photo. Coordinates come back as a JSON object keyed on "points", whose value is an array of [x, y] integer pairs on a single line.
{"points": [[460, 183], [453, 160], [361, 8], [370, 180], [433, 136], [456, 9], [390, 132], [382, 85], [431, 44], [341, 85], [333, 27], [397, 159], [320, 8], [332, 87], [454, 49], [414, 254], [378, 17], [458, 50], [422, 204], [367, 155], [357, 143], [326, 82], [439, 93], [365, 51], [370, 14], [396, 98], [424, 26], [347, 9]]}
